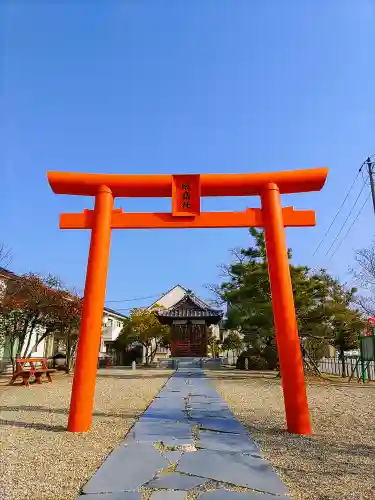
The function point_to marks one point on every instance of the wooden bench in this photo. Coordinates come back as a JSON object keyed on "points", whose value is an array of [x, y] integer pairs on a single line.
{"points": [[36, 368]]}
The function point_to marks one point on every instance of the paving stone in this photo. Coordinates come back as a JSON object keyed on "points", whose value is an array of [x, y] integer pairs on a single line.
{"points": [[172, 398], [159, 431], [173, 456], [176, 481], [234, 443], [152, 439], [121, 495], [207, 405], [170, 441], [222, 424], [162, 415], [174, 394], [169, 495], [204, 398], [209, 413], [127, 469], [235, 495], [227, 453], [237, 469]]}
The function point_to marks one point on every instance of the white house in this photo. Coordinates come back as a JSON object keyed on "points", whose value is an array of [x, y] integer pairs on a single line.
{"points": [[112, 325]]}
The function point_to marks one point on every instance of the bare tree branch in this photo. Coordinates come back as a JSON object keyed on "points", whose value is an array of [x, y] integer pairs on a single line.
{"points": [[366, 304], [5, 256], [365, 273], [238, 254]]}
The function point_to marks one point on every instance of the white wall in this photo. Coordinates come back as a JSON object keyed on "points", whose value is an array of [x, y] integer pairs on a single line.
{"points": [[3, 287], [112, 326], [215, 331], [171, 298], [39, 350]]}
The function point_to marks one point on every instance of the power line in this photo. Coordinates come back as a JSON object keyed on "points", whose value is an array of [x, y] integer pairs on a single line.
{"points": [[338, 211], [360, 170], [130, 308], [134, 299], [346, 219], [124, 308], [351, 225]]}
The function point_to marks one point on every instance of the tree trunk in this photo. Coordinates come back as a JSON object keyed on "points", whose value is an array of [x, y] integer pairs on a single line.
{"points": [[32, 321], [12, 340], [343, 364], [46, 334], [11, 355], [153, 352], [68, 352], [147, 352], [72, 354]]}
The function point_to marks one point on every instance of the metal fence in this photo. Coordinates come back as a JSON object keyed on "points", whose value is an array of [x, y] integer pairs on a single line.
{"points": [[353, 367], [332, 366], [229, 359]]}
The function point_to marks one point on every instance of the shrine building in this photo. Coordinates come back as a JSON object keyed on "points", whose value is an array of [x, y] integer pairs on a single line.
{"points": [[192, 322]]}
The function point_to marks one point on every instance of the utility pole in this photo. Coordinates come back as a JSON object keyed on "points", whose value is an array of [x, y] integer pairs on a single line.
{"points": [[371, 176]]}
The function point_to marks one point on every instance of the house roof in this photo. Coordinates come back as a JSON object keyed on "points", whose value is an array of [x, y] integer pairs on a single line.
{"points": [[114, 313], [7, 273], [190, 306]]}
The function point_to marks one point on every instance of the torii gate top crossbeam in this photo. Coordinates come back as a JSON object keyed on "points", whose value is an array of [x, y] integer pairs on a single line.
{"points": [[160, 186]]}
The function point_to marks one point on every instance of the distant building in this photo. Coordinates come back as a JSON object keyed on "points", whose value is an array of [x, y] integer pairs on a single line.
{"points": [[192, 322], [112, 326]]}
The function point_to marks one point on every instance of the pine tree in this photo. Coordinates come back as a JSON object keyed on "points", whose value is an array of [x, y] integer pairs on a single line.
{"points": [[323, 306]]}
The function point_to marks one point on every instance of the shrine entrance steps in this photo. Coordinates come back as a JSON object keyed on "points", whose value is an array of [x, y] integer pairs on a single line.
{"points": [[194, 362]]}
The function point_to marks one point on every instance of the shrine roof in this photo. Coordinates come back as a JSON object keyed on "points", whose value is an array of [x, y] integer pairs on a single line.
{"points": [[190, 306]]}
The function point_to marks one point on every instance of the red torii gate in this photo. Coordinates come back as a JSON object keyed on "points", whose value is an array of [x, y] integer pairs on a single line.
{"points": [[186, 191]]}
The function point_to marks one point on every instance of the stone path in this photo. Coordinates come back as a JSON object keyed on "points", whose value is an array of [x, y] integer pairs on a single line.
{"points": [[187, 445]]}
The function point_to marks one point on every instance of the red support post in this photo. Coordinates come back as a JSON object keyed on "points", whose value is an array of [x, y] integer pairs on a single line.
{"points": [[291, 367], [82, 400]]}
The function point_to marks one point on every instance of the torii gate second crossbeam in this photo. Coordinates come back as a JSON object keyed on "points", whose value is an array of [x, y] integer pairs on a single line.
{"points": [[186, 192]]}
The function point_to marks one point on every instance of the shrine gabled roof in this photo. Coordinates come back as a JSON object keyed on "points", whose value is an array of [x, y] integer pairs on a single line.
{"points": [[190, 306]]}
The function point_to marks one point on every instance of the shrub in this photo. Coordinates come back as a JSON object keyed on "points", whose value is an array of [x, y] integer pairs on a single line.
{"points": [[271, 357], [255, 362]]}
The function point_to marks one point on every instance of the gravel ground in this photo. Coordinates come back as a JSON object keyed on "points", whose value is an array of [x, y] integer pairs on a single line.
{"points": [[338, 461], [39, 456]]}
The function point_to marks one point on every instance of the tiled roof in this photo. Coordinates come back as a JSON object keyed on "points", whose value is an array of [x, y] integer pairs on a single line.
{"points": [[190, 306], [116, 313], [7, 273], [190, 313]]}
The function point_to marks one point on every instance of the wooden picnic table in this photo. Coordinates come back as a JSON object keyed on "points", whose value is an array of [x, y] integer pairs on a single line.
{"points": [[27, 367]]}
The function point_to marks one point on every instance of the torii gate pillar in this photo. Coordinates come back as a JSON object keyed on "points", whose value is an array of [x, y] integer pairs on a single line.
{"points": [[288, 345], [83, 390]]}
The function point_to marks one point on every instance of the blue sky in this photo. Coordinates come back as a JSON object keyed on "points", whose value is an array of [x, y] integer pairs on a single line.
{"points": [[173, 87]]}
